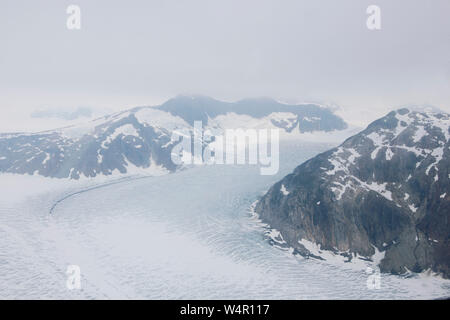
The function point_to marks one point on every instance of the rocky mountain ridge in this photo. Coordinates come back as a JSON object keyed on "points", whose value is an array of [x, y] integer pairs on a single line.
{"points": [[385, 189], [140, 138]]}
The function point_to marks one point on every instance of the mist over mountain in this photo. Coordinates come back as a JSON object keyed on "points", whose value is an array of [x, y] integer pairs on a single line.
{"points": [[80, 112], [386, 189], [140, 138], [305, 117]]}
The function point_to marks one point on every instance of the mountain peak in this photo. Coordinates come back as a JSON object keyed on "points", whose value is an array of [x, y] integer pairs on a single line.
{"points": [[259, 100], [422, 109], [190, 98]]}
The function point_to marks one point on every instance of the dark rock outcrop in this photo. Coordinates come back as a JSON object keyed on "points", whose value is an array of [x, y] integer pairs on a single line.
{"points": [[387, 187]]}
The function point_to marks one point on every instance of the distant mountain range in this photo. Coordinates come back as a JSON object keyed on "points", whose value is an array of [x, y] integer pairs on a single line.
{"points": [[140, 138], [386, 189]]}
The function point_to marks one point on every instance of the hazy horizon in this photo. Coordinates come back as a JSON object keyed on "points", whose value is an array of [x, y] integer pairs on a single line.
{"points": [[145, 52]]}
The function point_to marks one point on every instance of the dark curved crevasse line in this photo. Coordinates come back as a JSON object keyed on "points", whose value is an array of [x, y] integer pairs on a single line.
{"points": [[122, 180]]}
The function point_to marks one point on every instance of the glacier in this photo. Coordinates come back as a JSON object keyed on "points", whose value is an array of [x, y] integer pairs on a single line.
{"points": [[183, 235]]}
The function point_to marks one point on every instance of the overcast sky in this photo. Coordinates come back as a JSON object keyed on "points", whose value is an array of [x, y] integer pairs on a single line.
{"points": [[134, 52]]}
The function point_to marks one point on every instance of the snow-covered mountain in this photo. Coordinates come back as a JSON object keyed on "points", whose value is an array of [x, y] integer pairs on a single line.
{"points": [[386, 189], [140, 138]]}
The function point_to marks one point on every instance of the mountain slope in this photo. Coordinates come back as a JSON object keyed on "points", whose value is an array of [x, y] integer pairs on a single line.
{"points": [[386, 188], [140, 138]]}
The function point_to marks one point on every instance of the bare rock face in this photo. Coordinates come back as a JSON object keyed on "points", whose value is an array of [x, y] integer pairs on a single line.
{"points": [[387, 188]]}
